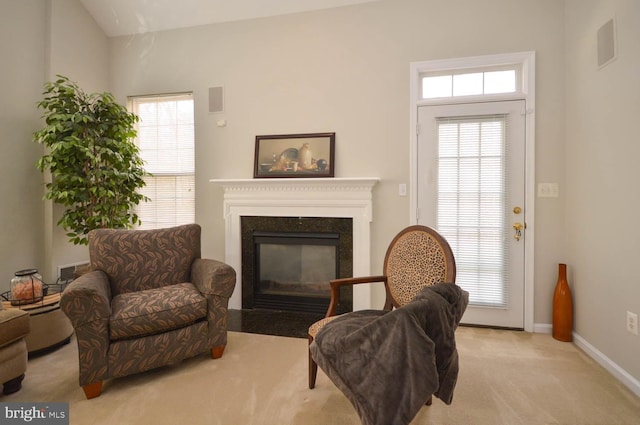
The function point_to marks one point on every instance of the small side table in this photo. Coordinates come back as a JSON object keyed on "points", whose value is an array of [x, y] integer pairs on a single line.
{"points": [[50, 327]]}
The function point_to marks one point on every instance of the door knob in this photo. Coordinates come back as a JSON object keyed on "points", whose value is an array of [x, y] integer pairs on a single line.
{"points": [[517, 226]]}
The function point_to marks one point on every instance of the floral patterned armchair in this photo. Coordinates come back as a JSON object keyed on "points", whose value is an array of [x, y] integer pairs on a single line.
{"points": [[148, 301]]}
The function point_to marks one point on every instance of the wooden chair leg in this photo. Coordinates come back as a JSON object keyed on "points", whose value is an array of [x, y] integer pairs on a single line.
{"points": [[313, 368], [216, 352], [92, 390]]}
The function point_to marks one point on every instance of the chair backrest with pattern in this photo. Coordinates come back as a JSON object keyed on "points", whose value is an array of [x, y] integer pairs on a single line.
{"points": [[417, 257], [135, 260]]}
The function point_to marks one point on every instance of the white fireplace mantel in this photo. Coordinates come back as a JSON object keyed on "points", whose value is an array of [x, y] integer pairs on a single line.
{"points": [[297, 197]]}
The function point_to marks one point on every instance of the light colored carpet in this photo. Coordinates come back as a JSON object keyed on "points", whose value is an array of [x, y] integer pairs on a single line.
{"points": [[505, 378]]}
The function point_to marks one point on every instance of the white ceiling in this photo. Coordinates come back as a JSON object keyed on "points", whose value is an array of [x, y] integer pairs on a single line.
{"points": [[126, 17]]}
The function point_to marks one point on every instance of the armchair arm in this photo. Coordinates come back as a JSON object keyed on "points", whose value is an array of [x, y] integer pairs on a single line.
{"points": [[336, 284], [87, 303], [216, 281], [213, 277], [87, 299]]}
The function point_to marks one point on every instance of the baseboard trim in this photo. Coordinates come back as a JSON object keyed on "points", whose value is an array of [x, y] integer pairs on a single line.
{"points": [[612, 367], [542, 328], [622, 375]]}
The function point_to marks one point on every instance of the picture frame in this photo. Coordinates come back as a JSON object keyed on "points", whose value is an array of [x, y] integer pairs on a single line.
{"points": [[295, 155]]}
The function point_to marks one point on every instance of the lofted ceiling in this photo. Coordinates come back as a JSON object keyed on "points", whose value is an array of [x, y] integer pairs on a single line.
{"points": [[127, 17]]}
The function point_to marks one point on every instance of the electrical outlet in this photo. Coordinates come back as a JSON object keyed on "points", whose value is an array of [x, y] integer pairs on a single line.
{"points": [[632, 322]]}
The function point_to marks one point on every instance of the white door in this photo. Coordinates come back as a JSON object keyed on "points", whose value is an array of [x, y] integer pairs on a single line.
{"points": [[471, 188]]}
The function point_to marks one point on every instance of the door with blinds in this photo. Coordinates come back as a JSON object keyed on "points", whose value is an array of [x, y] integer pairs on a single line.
{"points": [[471, 188]]}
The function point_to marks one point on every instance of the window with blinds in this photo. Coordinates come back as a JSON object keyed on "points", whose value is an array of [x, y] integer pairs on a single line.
{"points": [[166, 140], [472, 203]]}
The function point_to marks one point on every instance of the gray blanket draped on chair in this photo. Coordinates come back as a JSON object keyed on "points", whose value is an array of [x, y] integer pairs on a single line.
{"points": [[389, 363]]}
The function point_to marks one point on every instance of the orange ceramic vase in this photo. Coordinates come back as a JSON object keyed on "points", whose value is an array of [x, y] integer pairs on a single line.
{"points": [[562, 307]]}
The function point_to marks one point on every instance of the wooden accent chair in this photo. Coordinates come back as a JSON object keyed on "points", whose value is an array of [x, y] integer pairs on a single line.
{"points": [[148, 301], [417, 257]]}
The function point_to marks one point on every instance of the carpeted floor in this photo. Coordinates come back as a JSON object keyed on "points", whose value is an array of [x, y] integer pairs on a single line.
{"points": [[506, 377]]}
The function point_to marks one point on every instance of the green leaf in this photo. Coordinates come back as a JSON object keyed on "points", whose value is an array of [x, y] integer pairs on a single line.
{"points": [[95, 165]]}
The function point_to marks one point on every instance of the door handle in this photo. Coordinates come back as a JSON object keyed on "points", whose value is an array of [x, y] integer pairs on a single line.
{"points": [[518, 227]]}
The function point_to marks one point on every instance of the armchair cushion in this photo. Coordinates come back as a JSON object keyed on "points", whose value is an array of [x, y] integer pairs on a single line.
{"points": [[317, 326], [14, 325], [157, 310]]}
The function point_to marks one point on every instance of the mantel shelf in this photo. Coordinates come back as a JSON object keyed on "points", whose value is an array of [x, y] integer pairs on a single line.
{"points": [[299, 183]]}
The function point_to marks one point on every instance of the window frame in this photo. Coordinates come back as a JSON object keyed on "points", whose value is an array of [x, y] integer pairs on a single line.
{"points": [[525, 84], [516, 67], [133, 101]]}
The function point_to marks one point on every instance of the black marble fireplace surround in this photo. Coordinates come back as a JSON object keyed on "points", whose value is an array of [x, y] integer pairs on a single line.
{"points": [[328, 230]]}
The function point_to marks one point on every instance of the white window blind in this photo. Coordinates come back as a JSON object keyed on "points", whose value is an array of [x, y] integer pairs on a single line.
{"points": [[166, 140], [472, 203]]}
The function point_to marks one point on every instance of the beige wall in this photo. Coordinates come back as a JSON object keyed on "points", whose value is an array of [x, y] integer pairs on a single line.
{"points": [[602, 169], [22, 49], [347, 70], [39, 39], [78, 50]]}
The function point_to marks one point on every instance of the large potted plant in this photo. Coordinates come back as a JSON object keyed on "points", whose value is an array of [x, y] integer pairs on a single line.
{"points": [[95, 166]]}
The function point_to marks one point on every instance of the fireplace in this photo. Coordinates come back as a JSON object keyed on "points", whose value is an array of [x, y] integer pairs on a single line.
{"points": [[297, 197], [287, 262]]}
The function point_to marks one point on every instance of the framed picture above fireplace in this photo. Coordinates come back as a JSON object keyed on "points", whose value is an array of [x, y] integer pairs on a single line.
{"points": [[295, 155]]}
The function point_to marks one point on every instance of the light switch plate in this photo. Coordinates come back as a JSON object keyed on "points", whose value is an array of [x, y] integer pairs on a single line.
{"points": [[548, 190]]}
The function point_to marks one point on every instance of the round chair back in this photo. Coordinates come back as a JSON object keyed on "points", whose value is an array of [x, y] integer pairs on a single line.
{"points": [[417, 257]]}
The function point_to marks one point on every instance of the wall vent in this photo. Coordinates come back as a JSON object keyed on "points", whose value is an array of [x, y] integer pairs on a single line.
{"points": [[66, 272], [606, 43], [216, 99]]}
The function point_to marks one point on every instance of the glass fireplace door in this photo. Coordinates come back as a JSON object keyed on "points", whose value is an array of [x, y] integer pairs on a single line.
{"points": [[293, 270]]}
